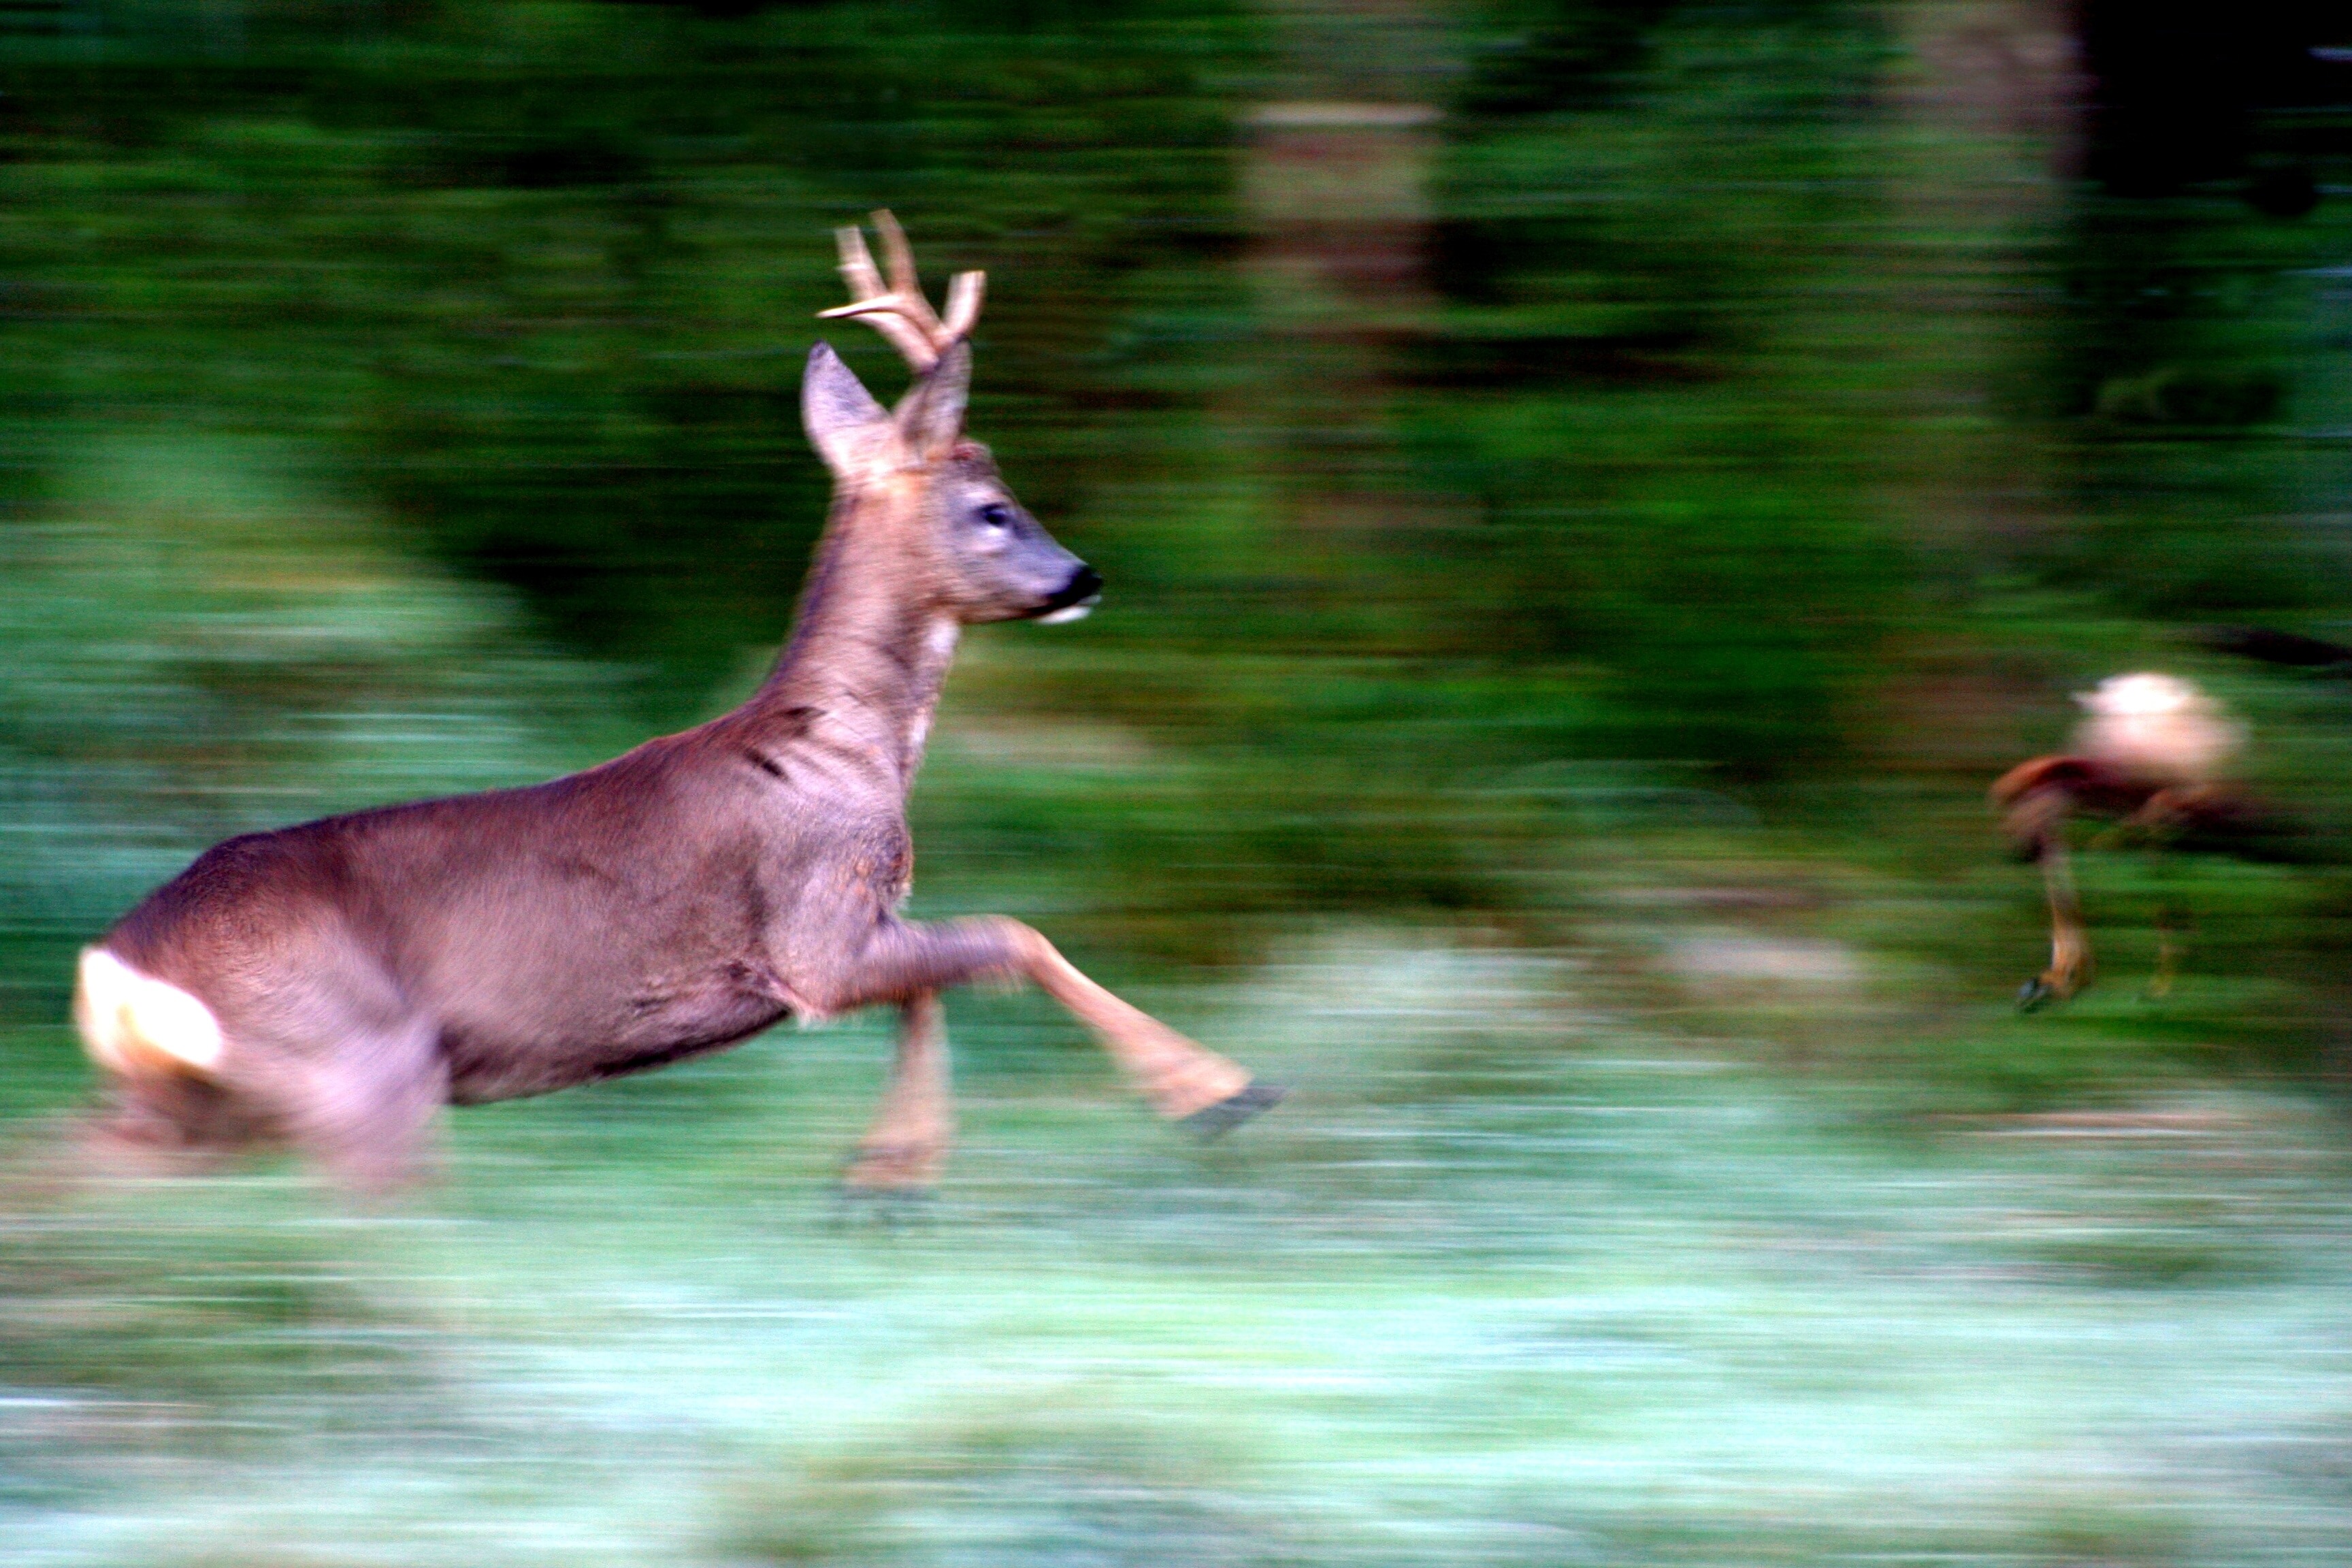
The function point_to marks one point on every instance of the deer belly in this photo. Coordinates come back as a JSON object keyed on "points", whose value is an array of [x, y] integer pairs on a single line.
{"points": [[493, 1060]]}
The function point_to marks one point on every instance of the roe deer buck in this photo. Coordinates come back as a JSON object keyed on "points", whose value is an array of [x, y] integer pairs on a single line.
{"points": [[331, 986]]}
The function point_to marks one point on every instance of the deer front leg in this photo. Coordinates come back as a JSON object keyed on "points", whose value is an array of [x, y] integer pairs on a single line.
{"points": [[1181, 1079], [902, 1151], [2070, 949]]}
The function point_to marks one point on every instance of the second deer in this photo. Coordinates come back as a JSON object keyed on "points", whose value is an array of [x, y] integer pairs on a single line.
{"points": [[2151, 756]]}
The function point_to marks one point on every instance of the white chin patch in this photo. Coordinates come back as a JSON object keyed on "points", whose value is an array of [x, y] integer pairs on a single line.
{"points": [[1066, 615]]}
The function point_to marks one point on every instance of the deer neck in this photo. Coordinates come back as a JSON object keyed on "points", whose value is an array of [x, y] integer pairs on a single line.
{"points": [[871, 648]]}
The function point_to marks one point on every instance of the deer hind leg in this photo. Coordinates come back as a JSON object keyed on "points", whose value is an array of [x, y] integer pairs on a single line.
{"points": [[1181, 1079], [364, 1111], [2070, 948], [175, 1104], [2175, 929], [318, 1052], [2167, 956], [157, 1125], [902, 1151]]}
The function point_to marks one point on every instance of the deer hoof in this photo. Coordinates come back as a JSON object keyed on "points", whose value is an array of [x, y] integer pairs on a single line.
{"points": [[1212, 1122], [888, 1180], [880, 1208], [2037, 994]]}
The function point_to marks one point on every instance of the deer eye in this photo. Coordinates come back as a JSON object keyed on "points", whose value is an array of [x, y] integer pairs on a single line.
{"points": [[996, 515]]}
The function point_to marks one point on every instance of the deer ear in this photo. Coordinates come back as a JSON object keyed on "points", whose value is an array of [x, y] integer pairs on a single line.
{"points": [[931, 417], [838, 413]]}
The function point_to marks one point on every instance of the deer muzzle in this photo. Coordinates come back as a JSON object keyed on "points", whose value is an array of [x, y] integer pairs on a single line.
{"points": [[1072, 599]]}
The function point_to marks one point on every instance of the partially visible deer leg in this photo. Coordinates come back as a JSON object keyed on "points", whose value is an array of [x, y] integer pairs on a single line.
{"points": [[366, 1114], [161, 1125], [903, 1151], [1182, 1080], [363, 1110], [2174, 929], [2158, 820], [2167, 956], [2070, 950]]}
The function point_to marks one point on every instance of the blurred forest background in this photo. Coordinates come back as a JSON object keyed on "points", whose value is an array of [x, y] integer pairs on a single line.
{"points": [[1592, 491]]}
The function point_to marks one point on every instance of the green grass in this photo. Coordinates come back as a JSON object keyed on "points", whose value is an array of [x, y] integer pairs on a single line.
{"points": [[1622, 1299]]}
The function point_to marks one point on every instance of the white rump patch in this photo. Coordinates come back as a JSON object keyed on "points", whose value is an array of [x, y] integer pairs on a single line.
{"points": [[1066, 614], [133, 1023], [2159, 727]]}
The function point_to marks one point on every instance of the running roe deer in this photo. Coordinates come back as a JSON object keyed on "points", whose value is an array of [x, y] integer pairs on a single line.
{"points": [[2151, 756], [331, 986]]}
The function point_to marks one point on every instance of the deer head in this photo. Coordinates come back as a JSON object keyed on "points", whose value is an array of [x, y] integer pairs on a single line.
{"points": [[909, 476]]}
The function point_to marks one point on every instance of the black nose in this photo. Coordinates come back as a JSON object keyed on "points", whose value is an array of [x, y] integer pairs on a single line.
{"points": [[1085, 583]]}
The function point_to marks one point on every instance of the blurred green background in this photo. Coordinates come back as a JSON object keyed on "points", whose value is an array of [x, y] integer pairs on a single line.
{"points": [[1592, 491]]}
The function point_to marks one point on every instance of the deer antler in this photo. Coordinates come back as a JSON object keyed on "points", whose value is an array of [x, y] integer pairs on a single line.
{"points": [[897, 308]]}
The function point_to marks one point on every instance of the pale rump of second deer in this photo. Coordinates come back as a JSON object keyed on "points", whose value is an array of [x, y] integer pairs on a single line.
{"points": [[331, 986]]}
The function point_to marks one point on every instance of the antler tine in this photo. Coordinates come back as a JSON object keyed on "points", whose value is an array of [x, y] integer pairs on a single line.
{"points": [[898, 257], [896, 307], [857, 269], [965, 291], [884, 309]]}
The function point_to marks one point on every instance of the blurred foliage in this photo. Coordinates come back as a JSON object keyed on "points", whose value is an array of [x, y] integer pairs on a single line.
{"points": [[402, 397]]}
